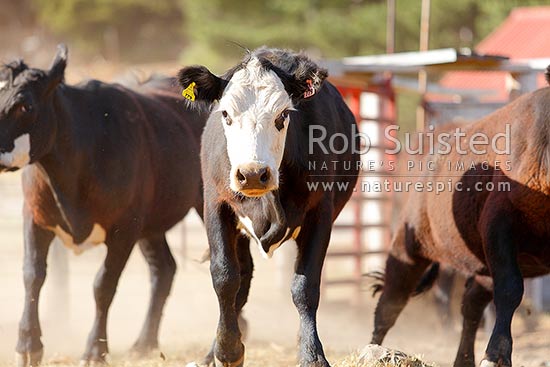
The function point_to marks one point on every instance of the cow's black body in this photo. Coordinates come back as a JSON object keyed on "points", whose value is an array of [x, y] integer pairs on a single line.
{"points": [[291, 210], [124, 159]]}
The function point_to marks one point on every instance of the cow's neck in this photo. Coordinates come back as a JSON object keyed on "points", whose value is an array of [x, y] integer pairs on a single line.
{"points": [[296, 147]]}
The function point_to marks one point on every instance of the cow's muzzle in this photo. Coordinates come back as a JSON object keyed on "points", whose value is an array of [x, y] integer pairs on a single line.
{"points": [[253, 180]]}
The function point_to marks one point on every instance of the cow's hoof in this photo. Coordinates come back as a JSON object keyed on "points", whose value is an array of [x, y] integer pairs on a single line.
{"points": [[238, 363], [207, 361], [315, 361], [320, 363], [31, 359], [500, 362]]}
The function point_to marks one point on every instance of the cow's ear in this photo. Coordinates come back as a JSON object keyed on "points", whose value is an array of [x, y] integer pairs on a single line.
{"points": [[547, 74], [56, 74], [308, 77], [200, 84]]}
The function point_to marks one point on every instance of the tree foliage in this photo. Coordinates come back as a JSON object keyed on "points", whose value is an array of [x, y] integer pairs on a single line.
{"points": [[333, 28], [207, 30], [138, 29]]}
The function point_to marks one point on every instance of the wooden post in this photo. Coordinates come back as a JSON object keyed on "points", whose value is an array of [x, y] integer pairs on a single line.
{"points": [[390, 27], [422, 76]]}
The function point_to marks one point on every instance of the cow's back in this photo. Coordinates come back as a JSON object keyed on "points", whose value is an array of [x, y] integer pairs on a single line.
{"points": [[129, 152], [176, 138], [449, 224]]}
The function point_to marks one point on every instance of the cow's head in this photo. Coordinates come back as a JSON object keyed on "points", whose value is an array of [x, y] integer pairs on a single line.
{"points": [[254, 102], [27, 129]]}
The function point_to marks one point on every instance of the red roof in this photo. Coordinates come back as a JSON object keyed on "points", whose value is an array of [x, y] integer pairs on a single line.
{"points": [[524, 34]]}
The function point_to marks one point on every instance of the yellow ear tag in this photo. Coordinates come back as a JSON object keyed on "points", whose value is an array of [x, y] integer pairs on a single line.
{"points": [[188, 92]]}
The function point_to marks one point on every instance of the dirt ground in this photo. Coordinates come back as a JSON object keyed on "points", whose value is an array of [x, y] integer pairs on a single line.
{"points": [[191, 313]]}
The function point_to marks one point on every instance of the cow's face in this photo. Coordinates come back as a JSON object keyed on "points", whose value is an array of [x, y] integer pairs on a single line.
{"points": [[254, 105], [255, 112], [26, 127]]}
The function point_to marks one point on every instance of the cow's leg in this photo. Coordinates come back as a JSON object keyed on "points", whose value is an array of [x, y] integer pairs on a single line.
{"points": [[119, 247], [312, 247], [224, 268], [475, 299], [501, 256], [401, 277], [29, 348], [246, 269], [400, 280], [162, 268]]}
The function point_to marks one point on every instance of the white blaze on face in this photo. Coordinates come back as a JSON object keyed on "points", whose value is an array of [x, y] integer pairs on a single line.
{"points": [[20, 155], [254, 99], [3, 83]]}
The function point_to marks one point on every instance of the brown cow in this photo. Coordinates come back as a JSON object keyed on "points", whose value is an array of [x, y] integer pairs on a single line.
{"points": [[490, 223]]}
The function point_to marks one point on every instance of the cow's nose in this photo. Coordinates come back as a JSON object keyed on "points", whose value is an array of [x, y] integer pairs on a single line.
{"points": [[253, 180], [253, 177]]}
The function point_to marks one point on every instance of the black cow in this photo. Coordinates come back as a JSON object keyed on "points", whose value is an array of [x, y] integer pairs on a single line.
{"points": [[103, 164], [257, 160]]}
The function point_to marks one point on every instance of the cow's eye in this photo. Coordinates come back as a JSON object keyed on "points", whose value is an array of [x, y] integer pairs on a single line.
{"points": [[280, 120], [226, 118], [23, 108]]}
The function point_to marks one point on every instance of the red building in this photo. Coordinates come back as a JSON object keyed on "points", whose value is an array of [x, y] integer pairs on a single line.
{"points": [[524, 35]]}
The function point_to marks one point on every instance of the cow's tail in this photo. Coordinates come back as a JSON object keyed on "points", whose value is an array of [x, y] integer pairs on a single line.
{"points": [[426, 282], [377, 281], [547, 74]]}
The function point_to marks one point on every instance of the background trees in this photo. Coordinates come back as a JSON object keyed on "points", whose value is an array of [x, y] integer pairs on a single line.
{"points": [[203, 30]]}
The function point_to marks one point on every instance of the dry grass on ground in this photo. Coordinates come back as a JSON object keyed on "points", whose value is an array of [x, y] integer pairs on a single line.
{"points": [[271, 355]]}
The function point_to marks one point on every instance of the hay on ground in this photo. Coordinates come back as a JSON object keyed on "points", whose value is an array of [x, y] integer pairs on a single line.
{"points": [[378, 356]]}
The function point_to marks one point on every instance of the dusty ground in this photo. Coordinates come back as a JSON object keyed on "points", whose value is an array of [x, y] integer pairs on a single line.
{"points": [[191, 313]]}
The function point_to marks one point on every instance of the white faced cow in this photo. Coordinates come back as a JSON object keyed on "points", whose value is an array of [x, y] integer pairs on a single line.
{"points": [[255, 157]]}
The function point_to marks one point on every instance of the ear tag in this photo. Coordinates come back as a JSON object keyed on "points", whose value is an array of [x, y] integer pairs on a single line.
{"points": [[310, 89], [188, 92]]}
